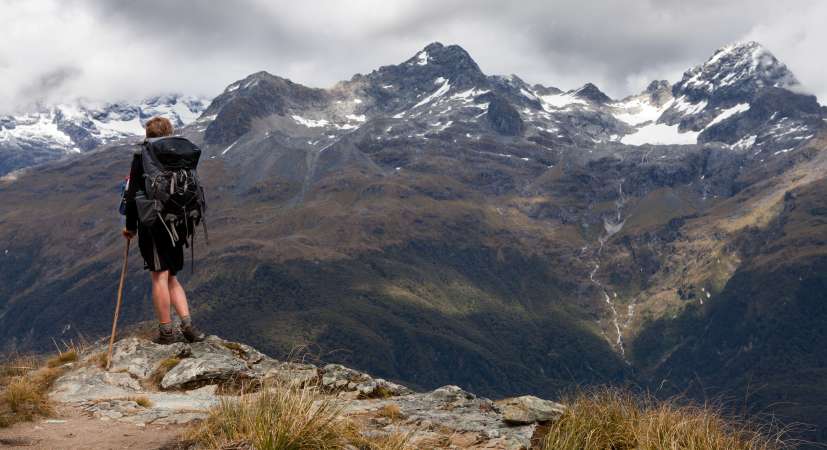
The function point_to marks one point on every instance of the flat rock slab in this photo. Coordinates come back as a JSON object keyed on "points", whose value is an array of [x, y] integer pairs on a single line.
{"points": [[207, 367], [91, 383], [468, 420], [529, 409], [140, 357], [336, 377], [292, 374], [131, 412]]}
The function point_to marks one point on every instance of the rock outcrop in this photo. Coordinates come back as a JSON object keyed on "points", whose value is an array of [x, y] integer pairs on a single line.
{"points": [[176, 384]]}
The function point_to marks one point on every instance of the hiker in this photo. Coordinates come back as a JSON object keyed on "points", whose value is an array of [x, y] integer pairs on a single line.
{"points": [[162, 236]]}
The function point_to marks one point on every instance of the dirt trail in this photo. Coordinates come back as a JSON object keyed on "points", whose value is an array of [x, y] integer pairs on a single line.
{"points": [[71, 429]]}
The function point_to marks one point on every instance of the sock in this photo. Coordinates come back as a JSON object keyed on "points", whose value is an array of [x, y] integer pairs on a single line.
{"points": [[186, 322], [165, 328]]}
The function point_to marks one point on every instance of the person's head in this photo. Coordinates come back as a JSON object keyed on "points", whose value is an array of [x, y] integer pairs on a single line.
{"points": [[158, 127]]}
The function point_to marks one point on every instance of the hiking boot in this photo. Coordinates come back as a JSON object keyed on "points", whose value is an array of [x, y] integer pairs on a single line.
{"points": [[165, 338], [192, 334]]}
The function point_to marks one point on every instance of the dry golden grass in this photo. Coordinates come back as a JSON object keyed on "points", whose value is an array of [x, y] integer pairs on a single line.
{"points": [[23, 390], [390, 411], [24, 400], [614, 419], [99, 360], [141, 400], [284, 418], [70, 355], [393, 441]]}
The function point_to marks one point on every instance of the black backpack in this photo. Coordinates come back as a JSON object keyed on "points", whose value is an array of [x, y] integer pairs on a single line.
{"points": [[174, 195]]}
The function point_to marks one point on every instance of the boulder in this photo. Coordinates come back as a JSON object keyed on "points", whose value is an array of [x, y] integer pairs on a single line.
{"points": [[207, 367], [529, 409], [140, 357], [459, 418], [292, 374], [450, 394], [243, 351], [336, 377], [379, 388]]}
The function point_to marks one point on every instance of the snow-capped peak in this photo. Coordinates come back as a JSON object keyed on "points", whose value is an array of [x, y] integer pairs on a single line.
{"points": [[743, 66], [56, 130]]}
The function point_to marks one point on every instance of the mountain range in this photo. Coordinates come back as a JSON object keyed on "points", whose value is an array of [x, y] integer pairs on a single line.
{"points": [[57, 131], [433, 224]]}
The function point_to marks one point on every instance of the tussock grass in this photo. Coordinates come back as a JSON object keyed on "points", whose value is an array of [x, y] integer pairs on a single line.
{"points": [[70, 355], [284, 418], [141, 400], [25, 400], [23, 390], [614, 419], [390, 411], [99, 359], [392, 441]]}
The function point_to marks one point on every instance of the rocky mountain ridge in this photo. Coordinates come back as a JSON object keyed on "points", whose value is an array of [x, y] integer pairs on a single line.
{"points": [[441, 91], [203, 374], [56, 131]]}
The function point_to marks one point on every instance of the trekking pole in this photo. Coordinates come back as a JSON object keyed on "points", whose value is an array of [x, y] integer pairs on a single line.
{"points": [[118, 304]]}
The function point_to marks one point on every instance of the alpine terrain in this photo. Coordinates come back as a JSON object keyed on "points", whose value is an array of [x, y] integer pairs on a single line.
{"points": [[49, 133], [432, 224]]}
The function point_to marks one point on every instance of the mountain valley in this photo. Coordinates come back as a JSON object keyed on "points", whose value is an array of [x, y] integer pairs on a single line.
{"points": [[433, 225]]}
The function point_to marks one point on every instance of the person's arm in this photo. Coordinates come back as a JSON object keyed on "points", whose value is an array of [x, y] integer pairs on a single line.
{"points": [[135, 176]]}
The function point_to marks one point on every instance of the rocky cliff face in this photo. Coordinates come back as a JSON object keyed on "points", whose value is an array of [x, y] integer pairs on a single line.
{"points": [[177, 384]]}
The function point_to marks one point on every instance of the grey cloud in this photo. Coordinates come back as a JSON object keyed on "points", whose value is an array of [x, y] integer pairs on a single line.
{"points": [[46, 84], [201, 46], [196, 26]]}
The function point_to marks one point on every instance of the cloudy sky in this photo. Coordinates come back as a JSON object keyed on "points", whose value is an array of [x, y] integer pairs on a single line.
{"points": [[54, 50]]}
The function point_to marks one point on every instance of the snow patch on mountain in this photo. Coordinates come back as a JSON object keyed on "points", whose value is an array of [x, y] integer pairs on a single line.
{"points": [[557, 101], [689, 108], [660, 134], [745, 143], [37, 127], [310, 123], [729, 112], [637, 111], [442, 90]]}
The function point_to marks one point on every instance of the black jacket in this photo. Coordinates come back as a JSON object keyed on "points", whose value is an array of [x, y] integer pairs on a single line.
{"points": [[136, 183]]}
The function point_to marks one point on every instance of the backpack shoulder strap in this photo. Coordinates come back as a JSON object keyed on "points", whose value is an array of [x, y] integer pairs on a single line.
{"points": [[149, 158]]}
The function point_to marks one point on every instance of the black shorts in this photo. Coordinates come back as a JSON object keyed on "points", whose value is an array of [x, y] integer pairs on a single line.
{"points": [[158, 250]]}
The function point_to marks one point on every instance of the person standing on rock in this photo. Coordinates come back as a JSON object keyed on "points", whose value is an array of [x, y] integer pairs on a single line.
{"points": [[160, 221]]}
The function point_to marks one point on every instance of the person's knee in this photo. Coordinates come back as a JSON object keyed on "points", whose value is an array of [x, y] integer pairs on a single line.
{"points": [[160, 277]]}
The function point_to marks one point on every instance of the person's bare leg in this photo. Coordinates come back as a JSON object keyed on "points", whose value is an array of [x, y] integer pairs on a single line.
{"points": [[178, 297], [179, 302], [160, 296]]}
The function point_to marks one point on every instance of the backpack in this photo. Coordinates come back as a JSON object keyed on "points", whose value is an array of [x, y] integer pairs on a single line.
{"points": [[174, 195]]}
